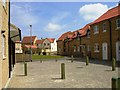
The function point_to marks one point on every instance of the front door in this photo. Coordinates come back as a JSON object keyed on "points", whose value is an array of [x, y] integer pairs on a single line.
{"points": [[104, 51], [118, 51]]}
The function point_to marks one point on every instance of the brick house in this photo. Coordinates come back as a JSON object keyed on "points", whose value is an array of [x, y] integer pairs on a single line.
{"points": [[105, 35], [98, 39], [62, 46], [29, 42], [4, 58]]}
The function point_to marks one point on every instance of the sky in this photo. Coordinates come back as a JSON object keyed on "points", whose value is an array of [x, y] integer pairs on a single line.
{"points": [[51, 19]]}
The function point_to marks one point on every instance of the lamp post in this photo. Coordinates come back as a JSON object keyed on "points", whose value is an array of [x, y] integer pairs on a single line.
{"points": [[30, 43]]}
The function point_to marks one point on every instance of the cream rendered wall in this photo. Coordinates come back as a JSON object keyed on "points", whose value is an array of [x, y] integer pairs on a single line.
{"points": [[4, 62], [0, 46], [54, 46]]}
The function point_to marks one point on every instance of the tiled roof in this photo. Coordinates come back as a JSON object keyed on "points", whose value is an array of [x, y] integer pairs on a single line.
{"points": [[51, 40], [27, 39], [39, 41], [31, 46], [63, 36], [109, 14]]}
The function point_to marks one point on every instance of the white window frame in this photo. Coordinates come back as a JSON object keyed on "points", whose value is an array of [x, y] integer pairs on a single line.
{"points": [[96, 29], [4, 2], [104, 27], [3, 47], [96, 47], [117, 24]]}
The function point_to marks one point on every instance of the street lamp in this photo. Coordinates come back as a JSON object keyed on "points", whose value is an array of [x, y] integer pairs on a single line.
{"points": [[30, 43]]}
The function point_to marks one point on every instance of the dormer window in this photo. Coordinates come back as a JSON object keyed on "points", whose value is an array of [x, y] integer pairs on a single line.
{"points": [[88, 34], [96, 30]]}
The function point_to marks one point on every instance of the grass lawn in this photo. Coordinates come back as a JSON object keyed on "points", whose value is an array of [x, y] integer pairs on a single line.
{"points": [[38, 57]]}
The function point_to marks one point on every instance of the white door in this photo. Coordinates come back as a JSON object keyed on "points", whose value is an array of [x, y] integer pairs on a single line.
{"points": [[104, 51], [118, 51]]}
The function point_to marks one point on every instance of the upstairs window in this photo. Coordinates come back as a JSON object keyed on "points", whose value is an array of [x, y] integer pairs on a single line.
{"points": [[118, 23], [44, 44], [88, 34], [96, 29], [4, 2], [96, 47], [104, 27]]}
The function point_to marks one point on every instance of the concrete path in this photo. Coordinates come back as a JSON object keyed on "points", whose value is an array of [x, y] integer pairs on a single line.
{"points": [[47, 75]]}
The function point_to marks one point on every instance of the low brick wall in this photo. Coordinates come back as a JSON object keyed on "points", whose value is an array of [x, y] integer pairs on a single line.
{"points": [[21, 57]]}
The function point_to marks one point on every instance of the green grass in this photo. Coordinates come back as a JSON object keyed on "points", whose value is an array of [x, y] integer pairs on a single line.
{"points": [[39, 57]]}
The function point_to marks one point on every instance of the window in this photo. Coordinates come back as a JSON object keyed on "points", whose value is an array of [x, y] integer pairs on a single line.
{"points": [[48, 44], [4, 2], [45, 44], [96, 29], [118, 23], [96, 47], [74, 48], [3, 46], [88, 48], [88, 34], [104, 27]]}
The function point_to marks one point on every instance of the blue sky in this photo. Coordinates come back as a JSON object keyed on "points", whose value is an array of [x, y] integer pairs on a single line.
{"points": [[51, 19]]}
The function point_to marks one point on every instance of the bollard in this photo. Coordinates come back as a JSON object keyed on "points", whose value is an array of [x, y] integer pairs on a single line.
{"points": [[87, 60], [41, 61], [118, 83], [25, 69], [56, 60], [63, 71], [72, 58], [114, 83], [113, 64]]}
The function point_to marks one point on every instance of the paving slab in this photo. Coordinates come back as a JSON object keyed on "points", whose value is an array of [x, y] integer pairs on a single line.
{"points": [[47, 75]]}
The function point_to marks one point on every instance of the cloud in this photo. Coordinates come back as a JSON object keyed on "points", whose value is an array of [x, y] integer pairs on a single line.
{"points": [[23, 15], [91, 12], [53, 27]]}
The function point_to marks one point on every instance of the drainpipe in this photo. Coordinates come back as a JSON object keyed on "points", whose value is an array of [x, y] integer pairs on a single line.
{"points": [[111, 56], [9, 42]]}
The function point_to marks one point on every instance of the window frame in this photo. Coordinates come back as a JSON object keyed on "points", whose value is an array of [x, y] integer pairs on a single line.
{"points": [[96, 47], [118, 23], [96, 29], [104, 27]]}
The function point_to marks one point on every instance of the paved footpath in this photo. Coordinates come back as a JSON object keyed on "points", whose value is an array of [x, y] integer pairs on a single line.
{"points": [[47, 75]]}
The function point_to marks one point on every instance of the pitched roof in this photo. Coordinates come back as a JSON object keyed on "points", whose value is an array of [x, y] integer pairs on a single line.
{"points": [[31, 46], [51, 40], [39, 41], [63, 36], [27, 39], [109, 14]]}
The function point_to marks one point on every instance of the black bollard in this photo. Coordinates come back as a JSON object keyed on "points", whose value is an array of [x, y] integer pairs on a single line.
{"points": [[63, 71], [113, 64], [25, 69]]}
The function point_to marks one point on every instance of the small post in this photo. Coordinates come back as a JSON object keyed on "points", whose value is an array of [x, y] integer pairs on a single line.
{"points": [[71, 58], [114, 83], [25, 69], [41, 61], [63, 71], [113, 64], [87, 60]]}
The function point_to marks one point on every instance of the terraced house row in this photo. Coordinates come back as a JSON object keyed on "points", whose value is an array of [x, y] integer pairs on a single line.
{"points": [[99, 39]]}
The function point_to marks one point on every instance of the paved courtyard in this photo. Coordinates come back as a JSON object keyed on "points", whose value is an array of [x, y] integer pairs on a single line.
{"points": [[47, 75]]}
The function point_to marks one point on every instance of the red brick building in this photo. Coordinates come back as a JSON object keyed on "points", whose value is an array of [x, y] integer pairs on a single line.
{"points": [[99, 39]]}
